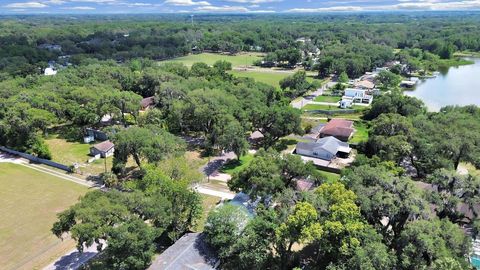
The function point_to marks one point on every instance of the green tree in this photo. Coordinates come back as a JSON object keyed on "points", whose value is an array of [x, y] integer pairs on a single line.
{"points": [[151, 144], [424, 243], [388, 80]]}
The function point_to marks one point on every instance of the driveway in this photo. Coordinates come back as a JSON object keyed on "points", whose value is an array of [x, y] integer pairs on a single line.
{"points": [[74, 259], [212, 167]]}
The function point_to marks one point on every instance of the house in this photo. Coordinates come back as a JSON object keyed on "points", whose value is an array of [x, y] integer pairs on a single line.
{"points": [[189, 252], [339, 128], [147, 103], [50, 71], [357, 95], [304, 185], [326, 148], [104, 149]]}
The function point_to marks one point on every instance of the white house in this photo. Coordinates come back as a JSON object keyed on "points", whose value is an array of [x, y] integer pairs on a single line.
{"points": [[50, 71], [104, 149], [355, 95], [325, 148]]}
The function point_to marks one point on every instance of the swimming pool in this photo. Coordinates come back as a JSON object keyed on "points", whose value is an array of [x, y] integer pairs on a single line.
{"points": [[475, 262]]}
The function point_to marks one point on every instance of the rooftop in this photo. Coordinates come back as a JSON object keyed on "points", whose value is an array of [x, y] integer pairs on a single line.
{"points": [[338, 127], [104, 146], [189, 252]]}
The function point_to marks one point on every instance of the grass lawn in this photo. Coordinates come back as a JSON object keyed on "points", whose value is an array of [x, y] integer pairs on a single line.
{"points": [[270, 78], [312, 107], [208, 203], [330, 177], [234, 166], [331, 99], [361, 134], [238, 60], [68, 153], [30, 201]]}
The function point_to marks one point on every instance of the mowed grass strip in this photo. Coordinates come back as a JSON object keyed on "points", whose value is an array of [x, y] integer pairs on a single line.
{"points": [[237, 60], [30, 201]]}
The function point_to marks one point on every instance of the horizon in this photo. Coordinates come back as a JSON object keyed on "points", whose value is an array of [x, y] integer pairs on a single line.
{"points": [[19, 7]]}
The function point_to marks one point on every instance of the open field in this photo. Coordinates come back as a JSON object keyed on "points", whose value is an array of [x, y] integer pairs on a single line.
{"points": [[30, 201], [270, 78], [330, 177], [238, 60]]}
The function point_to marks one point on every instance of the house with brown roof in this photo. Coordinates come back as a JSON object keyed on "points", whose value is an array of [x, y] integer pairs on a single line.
{"points": [[147, 103], [339, 128], [104, 149]]}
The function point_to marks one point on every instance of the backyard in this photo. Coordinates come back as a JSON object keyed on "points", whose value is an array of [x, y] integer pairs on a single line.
{"points": [[68, 152], [361, 132], [30, 202]]}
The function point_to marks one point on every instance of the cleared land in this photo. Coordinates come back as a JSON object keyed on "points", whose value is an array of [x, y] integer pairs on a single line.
{"points": [[210, 58], [30, 202]]}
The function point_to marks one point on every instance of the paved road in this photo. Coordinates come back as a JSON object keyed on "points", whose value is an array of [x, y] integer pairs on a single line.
{"points": [[211, 168], [216, 193], [308, 98]]}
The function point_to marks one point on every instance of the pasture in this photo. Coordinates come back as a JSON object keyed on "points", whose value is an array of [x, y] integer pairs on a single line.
{"points": [[30, 202]]}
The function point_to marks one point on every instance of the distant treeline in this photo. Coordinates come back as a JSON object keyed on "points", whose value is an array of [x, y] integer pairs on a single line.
{"points": [[356, 41]]}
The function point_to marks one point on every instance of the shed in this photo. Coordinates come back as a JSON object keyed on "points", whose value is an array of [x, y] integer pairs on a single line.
{"points": [[104, 149]]}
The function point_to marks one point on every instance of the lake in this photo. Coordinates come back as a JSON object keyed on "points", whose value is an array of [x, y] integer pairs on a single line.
{"points": [[453, 86]]}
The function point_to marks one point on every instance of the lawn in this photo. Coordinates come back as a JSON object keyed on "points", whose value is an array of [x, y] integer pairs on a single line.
{"points": [[239, 60], [234, 166], [30, 202], [270, 78], [331, 99], [330, 177], [68, 153], [361, 133], [208, 203], [313, 107]]}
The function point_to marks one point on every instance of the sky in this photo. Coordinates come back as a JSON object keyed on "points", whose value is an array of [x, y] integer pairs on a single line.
{"points": [[227, 6]]}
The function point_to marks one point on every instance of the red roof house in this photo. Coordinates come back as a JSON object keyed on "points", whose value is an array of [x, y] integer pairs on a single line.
{"points": [[339, 128]]}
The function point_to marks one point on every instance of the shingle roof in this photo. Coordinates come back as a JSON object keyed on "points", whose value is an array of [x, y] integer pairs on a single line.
{"points": [[329, 144], [338, 128], [147, 102], [189, 252], [104, 146]]}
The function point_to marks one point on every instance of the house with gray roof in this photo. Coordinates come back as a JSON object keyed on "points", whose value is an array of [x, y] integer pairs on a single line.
{"points": [[326, 148], [189, 252]]}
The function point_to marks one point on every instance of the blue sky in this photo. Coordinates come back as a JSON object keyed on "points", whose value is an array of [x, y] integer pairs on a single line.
{"points": [[228, 6]]}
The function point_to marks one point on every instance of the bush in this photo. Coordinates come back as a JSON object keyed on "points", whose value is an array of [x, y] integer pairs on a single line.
{"points": [[40, 149]]}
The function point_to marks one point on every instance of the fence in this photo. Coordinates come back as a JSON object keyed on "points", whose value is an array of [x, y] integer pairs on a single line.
{"points": [[36, 159]]}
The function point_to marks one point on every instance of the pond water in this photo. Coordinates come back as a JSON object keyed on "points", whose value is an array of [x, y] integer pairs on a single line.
{"points": [[453, 86]]}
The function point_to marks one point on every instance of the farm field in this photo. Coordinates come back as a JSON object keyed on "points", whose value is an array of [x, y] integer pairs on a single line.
{"points": [[210, 58], [30, 202]]}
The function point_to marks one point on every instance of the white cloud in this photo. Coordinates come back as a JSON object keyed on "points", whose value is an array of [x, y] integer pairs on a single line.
{"points": [[187, 3], [326, 9], [80, 8], [254, 1], [222, 9], [26, 5], [55, 2]]}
